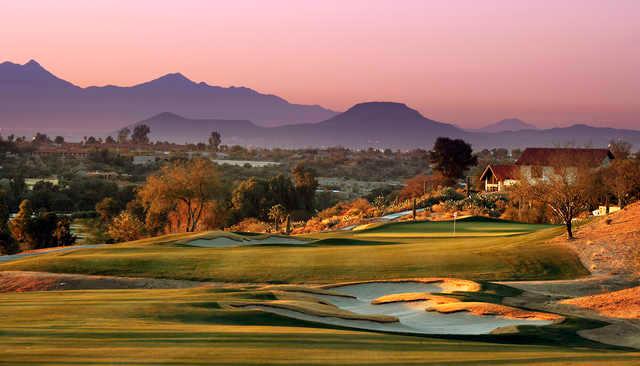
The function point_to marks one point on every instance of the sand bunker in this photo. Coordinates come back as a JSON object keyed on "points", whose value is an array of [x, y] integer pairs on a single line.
{"points": [[414, 296], [19, 281], [411, 315], [227, 242], [483, 308]]}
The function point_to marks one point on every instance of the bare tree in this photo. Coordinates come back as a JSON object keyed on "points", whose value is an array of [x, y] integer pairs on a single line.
{"points": [[566, 191]]}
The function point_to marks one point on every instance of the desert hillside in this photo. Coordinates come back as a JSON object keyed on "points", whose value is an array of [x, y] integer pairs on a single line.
{"points": [[611, 244]]}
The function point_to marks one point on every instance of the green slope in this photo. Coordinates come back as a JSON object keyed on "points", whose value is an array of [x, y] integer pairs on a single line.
{"points": [[394, 255]]}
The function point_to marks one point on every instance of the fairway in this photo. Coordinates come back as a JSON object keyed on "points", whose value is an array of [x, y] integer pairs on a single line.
{"points": [[221, 324], [489, 254], [171, 327]]}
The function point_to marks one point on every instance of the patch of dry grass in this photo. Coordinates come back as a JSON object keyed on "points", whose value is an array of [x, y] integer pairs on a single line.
{"points": [[618, 304]]}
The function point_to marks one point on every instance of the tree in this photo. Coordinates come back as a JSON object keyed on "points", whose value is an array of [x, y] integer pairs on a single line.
{"points": [[620, 149], [59, 140], [125, 227], [110, 140], [276, 213], [20, 224], [566, 193], [452, 157], [214, 140], [379, 203], [249, 198], [7, 244], [141, 134], [306, 184], [183, 190], [421, 185], [91, 141], [123, 135], [41, 138], [62, 233], [622, 178], [107, 209]]}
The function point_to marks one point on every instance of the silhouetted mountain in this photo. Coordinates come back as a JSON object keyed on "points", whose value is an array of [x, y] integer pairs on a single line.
{"points": [[174, 128], [375, 124], [509, 124], [578, 135], [32, 97]]}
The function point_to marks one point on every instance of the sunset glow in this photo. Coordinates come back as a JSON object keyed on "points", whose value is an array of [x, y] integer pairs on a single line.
{"points": [[550, 63]]}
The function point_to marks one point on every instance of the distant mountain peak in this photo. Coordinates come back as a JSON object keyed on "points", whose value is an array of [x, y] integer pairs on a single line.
{"points": [[382, 110], [508, 124], [172, 79], [32, 63], [31, 72]]}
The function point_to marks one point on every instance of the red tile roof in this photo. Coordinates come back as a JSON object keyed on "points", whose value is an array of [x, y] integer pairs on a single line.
{"points": [[563, 156], [502, 172]]}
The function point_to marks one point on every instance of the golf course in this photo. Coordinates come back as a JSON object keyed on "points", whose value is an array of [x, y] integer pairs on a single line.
{"points": [[391, 294]]}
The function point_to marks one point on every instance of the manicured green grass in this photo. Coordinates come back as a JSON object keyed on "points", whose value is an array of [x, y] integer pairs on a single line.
{"points": [[469, 226], [189, 327], [341, 256]]}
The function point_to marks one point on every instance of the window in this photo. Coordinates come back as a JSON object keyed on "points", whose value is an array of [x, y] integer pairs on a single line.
{"points": [[536, 172]]}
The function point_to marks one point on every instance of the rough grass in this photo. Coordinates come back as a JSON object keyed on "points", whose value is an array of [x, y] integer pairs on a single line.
{"points": [[527, 256], [195, 327]]}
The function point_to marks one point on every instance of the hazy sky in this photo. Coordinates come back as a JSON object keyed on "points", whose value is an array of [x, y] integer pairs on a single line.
{"points": [[471, 62]]}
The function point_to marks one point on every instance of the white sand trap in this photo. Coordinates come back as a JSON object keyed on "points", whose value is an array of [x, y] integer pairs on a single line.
{"points": [[412, 316], [226, 242]]}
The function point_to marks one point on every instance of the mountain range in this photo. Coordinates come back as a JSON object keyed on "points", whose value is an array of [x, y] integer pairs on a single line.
{"points": [[33, 98], [374, 124]]}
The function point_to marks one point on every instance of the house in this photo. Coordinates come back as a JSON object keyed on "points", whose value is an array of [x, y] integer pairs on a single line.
{"points": [[496, 178], [541, 164]]}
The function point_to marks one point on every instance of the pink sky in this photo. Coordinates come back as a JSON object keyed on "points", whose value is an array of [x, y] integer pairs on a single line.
{"points": [[468, 62]]}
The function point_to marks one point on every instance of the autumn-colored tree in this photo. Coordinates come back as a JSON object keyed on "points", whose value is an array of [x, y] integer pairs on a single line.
{"points": [[622, 177], [21, 223], [107, 209], [125, 227], [276, 213], [182, 190], [421, 185]]}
